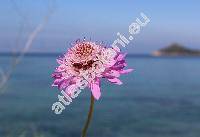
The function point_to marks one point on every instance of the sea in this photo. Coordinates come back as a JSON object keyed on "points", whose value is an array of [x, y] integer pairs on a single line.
{"points": [[160, 98]]}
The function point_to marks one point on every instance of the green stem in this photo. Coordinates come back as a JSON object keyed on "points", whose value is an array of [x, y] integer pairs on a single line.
{"points": [[84, 131]]}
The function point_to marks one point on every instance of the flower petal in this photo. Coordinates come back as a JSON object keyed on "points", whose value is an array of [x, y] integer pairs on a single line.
{"points": [[94, 86], [116, 48], [115, 81], [61, 68], [114, 73], [56, 82], [70, 89], [126, 71], [64, 83], [59, 60], [110, 63], [121, 56]]}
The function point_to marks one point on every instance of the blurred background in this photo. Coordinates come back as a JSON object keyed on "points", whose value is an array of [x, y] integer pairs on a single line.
{"points": [[161, 98]]}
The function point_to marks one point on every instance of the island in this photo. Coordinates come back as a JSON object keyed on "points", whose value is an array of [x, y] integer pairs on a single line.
{"points": [[176, 50]]}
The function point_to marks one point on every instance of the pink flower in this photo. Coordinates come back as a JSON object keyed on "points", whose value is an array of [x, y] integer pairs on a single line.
{"points": [[91, 62]]}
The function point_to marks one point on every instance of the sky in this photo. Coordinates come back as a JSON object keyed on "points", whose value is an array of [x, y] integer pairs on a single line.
{"points": [[172, 21]]}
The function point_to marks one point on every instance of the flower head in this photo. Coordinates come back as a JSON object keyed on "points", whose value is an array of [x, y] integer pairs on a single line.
{"points": [[90, 62]]}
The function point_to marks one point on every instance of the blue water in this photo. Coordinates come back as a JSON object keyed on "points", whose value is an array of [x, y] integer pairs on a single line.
{"points": [[160, 99]]}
